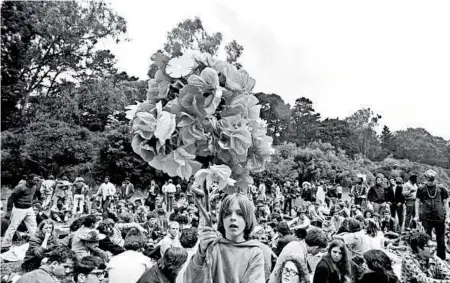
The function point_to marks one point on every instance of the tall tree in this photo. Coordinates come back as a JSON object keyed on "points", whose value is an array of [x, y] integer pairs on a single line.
{"points": [[276, 113], [362, 124], [303, 121], [387, 139], [45, 44], [191, 35]]}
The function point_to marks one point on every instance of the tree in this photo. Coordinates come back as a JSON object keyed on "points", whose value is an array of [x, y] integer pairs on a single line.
{"points": [[276, 113], [234, 51], [303, 121], [90, 104], [46, 44], [387, 139], [416, 144], [335, 132], [191, 35], [362, 124]]}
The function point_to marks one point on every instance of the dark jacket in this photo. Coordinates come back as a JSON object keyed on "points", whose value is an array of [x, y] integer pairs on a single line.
{"points": [[375, 277], [108, 246], [326, 273], [36, 252], [154, 275], [21, 197], [395, 197], [377, 194]]}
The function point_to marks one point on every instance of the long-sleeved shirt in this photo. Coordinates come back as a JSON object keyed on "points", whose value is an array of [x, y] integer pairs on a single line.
{"points": [[21, 197], [436, 271], [106, 190], [228, 262]]}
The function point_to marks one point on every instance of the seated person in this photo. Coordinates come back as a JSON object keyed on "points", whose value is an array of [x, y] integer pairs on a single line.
{"points": [[301, 221], [59, 212], [89, 269], [421, 265], [40, 245], [141, 215], [106, 227], [55, 267], [389, 224], [153, 230]]}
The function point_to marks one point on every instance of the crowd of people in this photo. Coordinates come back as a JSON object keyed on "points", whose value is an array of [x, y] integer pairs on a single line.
{"points": [[391, 231]]}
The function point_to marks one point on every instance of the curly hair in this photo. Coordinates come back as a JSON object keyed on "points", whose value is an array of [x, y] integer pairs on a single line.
{"points": [[299, 263]]}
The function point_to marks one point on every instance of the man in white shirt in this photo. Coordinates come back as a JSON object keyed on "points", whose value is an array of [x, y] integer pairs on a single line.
{"points": [[170, 191], [172, 237], [128, 266], [47, 188], [107, 190]]}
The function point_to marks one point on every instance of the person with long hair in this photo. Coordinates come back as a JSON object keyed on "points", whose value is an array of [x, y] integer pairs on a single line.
{"points": [[293, 269], [41, 243], [379, 268], [229, 255], [334, 267], [167, 268]]}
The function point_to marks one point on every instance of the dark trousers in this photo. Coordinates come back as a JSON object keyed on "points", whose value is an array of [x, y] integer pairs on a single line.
{"points": [[410, 212], [398, 210], [287, 205], [105, 203], [439, 229], [170, 202]]}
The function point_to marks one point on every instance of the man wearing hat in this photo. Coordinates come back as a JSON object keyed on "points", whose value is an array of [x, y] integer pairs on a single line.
{"points": [[62, 191], [432, 204], [80, 190]]}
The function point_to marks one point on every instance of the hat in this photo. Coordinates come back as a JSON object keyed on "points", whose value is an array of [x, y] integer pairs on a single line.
{"points": [[64, 178], [399, 180], [92, 236], [79, 179], [170, 181]]}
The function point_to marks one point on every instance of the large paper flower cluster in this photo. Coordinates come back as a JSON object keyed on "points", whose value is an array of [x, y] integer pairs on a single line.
{"points": [[200, 113]]}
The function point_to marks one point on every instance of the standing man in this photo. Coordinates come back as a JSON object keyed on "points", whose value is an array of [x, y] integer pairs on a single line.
{"points": [[170, 194], [47, 191], [432, 204], [409, 192], [80, 190], [377, 194], [107, 190], [19, 208], [127, 189], [152, 194], [287, 198], [359, 192], [398, 201]]}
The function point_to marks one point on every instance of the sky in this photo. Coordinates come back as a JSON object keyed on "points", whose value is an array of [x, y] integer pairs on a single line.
{"points": [[391, 56]]}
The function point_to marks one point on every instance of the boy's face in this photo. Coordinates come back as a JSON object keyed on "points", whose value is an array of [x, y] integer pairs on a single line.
{"points": [[152, 221]]}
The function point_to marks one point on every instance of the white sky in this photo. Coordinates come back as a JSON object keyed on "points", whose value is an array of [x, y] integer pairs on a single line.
{"points": [[392, 56]]}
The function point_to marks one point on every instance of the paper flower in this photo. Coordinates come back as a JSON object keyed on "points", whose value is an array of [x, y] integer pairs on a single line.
{"points": [[200, 113]]}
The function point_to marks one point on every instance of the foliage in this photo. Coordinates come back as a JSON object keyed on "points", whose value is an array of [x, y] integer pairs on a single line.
{"points": [[46, 44], [364, 137], [200, 112], [419, 145], [303, 122], [234, 51], [276, 113], [322, 161]]}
